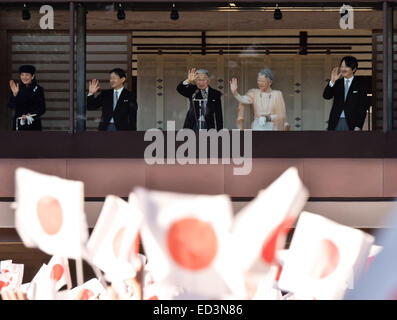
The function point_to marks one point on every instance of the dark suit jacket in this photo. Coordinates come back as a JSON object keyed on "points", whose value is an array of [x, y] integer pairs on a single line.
{"points": [[355, 106], [124, 114], [213, 115]]}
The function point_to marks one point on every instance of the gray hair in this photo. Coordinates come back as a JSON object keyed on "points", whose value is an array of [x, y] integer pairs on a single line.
{"points": [[267, 73], [203, 71]]}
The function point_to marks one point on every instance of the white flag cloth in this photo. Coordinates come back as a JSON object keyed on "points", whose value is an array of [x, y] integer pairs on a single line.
{"points": [[324, 258], [113, 243], [5, 266], [266, 289], [261, 228], [50, 213], [156, 291], [187, 241], [16, 275], [12, 274], [59, 272], [4, 280], [89, 290], [42, 287]]}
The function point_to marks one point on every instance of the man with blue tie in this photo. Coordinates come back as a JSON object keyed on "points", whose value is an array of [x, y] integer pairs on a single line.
{"points": [[119, 106], [350, 104]]}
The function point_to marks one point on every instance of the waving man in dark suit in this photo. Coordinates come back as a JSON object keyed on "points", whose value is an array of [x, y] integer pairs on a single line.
{"points": [[119, 107], [206, 114], [350, 104]]}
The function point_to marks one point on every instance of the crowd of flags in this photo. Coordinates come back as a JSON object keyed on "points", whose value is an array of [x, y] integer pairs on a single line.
{"points": [[195, 246]]}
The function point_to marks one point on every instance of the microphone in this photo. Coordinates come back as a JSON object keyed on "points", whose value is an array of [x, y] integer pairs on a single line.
{"points": [[195, 93]]}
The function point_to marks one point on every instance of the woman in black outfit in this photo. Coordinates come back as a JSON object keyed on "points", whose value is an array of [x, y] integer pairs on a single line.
{"points": [[27, 100]]}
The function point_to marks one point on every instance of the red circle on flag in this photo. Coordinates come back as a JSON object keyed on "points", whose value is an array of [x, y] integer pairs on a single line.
{"points": [[192, 243], [86, 294], [269, 247], [134, 249], [154, 298], [56, 272], [327, 259], [50, 215], [117, 241]]}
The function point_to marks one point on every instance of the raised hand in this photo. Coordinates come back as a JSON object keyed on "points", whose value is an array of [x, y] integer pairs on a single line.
{"points": [[192, 75], [94, 86], [14, 87], [335, 75], [13, 294], [233, 85]]}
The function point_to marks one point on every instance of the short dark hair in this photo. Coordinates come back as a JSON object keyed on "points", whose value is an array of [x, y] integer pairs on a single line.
{"points": [[350, 61], [120, 72]]}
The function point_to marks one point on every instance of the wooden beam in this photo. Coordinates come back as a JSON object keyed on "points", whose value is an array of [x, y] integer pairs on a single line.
{"points": [[192, 21]]}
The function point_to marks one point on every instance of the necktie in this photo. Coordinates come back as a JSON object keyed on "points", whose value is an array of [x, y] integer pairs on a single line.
{"points": [[203, 106], [204, 95], [346, 88], [115, 99]]}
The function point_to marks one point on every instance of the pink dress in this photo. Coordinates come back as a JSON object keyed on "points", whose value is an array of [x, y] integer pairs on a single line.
{"points": [[263, 104]]}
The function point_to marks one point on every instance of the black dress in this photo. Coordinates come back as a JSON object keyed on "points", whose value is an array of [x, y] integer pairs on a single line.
{"points": [[30, 99]]}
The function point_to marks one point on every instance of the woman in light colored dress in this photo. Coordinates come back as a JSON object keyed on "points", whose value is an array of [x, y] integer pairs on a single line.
{"points": [[268, 104]]}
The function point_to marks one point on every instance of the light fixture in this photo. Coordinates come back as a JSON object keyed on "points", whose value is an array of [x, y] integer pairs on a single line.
{"points": [[25, 12], [174, 13], [232, 4], [277, 13], [120, 12]]}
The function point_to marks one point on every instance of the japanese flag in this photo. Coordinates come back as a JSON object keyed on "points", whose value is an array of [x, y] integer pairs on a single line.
{"points": [[4, 280], [12, 274], [58, 271], [114, 242], [324, 258], [50, 213], [89, 290], [261, 228], [187, 242], [5, 266], [42, 287]]}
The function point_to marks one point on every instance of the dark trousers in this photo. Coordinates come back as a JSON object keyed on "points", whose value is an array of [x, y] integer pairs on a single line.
{"points": [[111, 127]]}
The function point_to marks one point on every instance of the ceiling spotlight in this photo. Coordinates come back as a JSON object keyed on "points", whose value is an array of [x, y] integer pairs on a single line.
{"points": [[174, 13], [232, 4], [120, 12], [25, 12], [277, 13]]}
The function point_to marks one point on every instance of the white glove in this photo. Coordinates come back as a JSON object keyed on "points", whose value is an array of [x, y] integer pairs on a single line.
{"points": [[262, 121], [22, 121], [30, 120]]}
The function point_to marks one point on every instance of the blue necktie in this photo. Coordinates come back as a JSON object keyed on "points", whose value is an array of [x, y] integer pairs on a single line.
{"points": [[346, 88], [115, 99]]}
